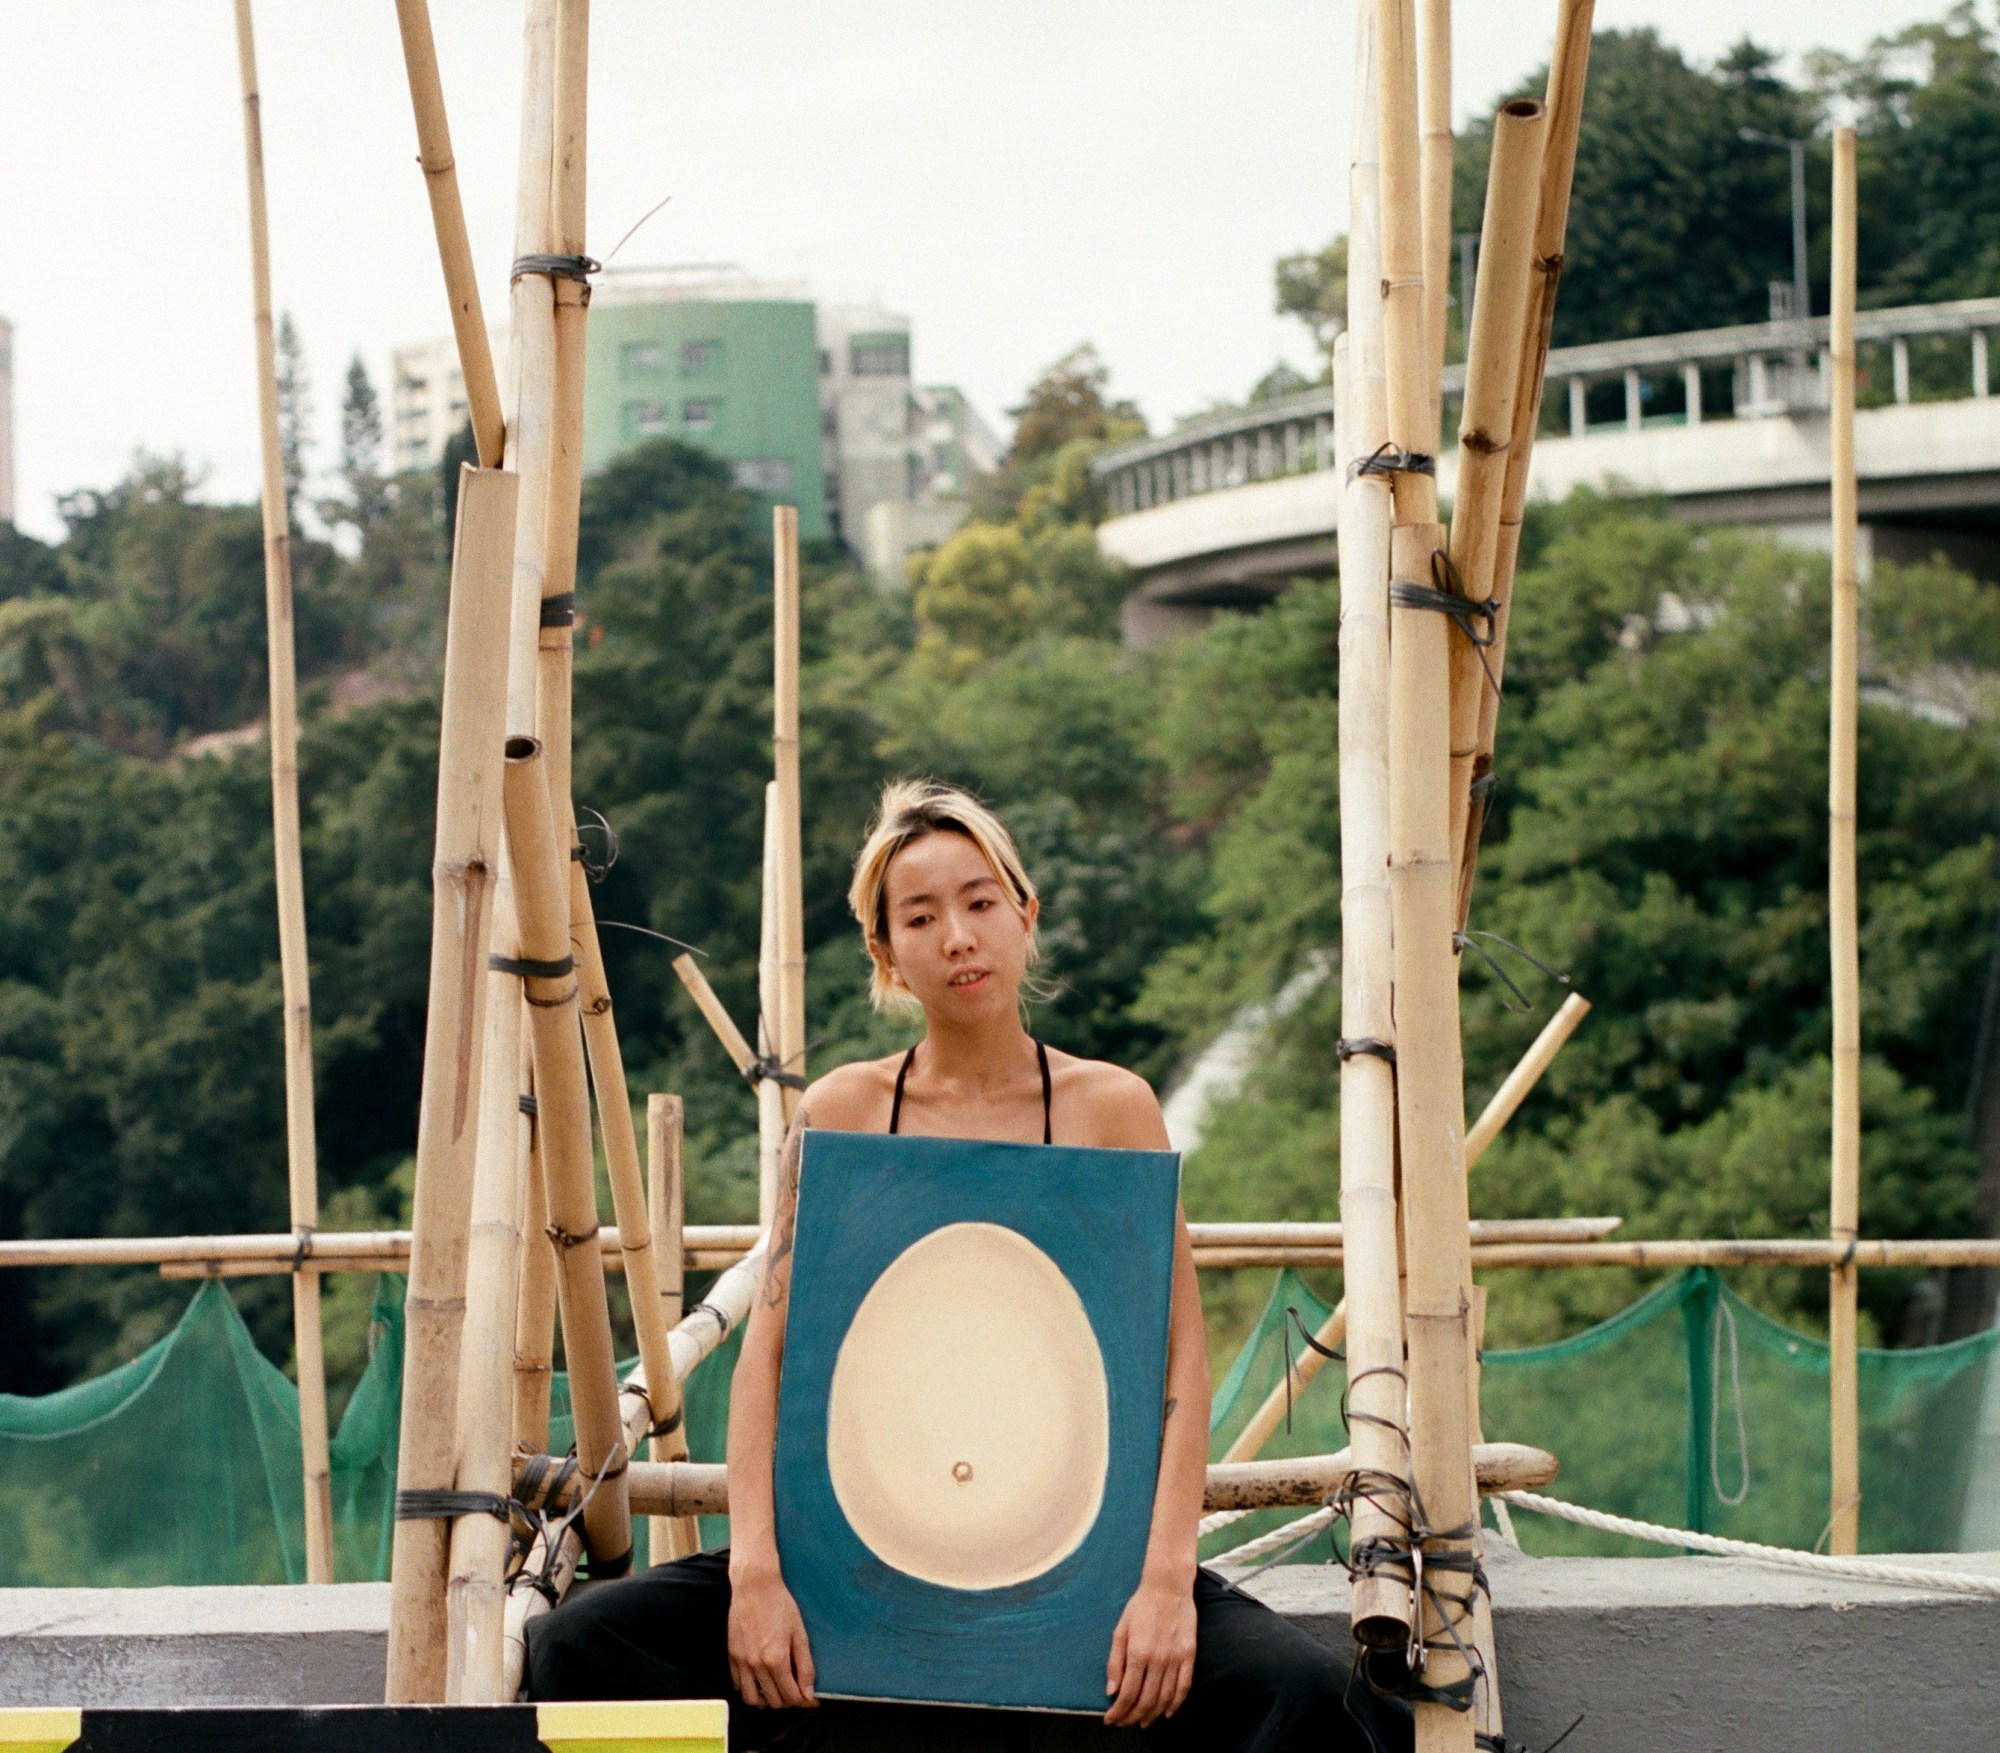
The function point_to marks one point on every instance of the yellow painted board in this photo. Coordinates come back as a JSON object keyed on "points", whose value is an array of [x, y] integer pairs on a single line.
{"points": [[39, 1730], [649, 1726]]}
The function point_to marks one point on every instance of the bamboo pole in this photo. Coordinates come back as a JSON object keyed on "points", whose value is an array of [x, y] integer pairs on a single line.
{"points": [[1434, 97], [1496, 338], [770, 1003], [714, 1015], [463, 869], [468, 321], [301, 1154], [1902, 1254], [702, 1488], [1486, 1712], [563, 1126], [1411, 405], [704, 1247], [1841, 902], [535, 1317], [1371, 1315], [1514, 1089], [790, 1022], [668, 1536], [1569, 64], [480, 1545]]}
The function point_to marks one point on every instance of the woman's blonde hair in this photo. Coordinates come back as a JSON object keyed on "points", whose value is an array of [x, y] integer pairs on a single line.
{"points": [[909, 810]]}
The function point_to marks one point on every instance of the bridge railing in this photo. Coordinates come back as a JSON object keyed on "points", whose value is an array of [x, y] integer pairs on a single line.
{"points": [[1745, 372]]}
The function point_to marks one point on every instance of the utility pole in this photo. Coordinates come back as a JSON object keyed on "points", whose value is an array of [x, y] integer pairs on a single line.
{"points": [[1801, 286]]}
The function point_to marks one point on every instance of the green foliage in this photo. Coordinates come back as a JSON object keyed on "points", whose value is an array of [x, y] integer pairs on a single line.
{"points": [[1659, 833], [1312, 286]]}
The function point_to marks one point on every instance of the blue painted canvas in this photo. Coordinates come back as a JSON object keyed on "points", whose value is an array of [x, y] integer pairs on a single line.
{"points": [[969, 1415]]}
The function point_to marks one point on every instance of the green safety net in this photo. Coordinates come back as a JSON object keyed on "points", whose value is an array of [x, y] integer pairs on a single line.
{"points": [[1689, 1408]]}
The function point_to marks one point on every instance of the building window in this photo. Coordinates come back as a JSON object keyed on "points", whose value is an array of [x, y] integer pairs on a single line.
{"points": [[879, 356], [646, 419], [641, 359], [699, 412], [825, 362], [698, 358], [764, 474]]}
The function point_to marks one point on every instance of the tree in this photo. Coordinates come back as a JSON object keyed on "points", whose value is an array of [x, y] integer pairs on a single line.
{"points": [[361, 451], [295, 413], [1312, 286], [1068, 402], [460, 449]]}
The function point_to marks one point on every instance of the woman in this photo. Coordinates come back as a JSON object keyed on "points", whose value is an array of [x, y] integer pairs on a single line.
{"points": [[948, 914]]}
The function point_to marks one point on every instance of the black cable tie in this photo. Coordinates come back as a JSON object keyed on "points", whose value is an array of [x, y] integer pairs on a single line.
{"points": [[1386, 459], [721, 1319], [1461, 940], [559, 610], [667, 1426], [1482, 787], [429, 1506], [577, 268], [1350, 1045], [1463, 610], [303, 1251], [529, 969], [529, 1105], [768, 1067]]}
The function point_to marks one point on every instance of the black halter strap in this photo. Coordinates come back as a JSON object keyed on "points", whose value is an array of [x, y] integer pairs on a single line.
{"points": [[1048, 1093]]}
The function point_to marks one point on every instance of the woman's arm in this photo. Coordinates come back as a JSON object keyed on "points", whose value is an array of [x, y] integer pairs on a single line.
{"points": [[1152, 1652], [769, 1658]]}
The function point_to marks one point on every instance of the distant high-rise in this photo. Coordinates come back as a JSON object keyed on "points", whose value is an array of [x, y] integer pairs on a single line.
{"points": [[6, 421]]}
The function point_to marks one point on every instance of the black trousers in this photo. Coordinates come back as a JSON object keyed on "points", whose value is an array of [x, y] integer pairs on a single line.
{"points": [[1261, 1685]]}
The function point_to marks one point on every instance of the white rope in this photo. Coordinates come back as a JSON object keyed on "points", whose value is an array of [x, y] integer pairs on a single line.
{"points": [[1294, 1531], [1954, 1582], [1214, 1524]]}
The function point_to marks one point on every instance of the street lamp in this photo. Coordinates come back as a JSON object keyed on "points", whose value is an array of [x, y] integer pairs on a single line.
{"points": [[1801, 291]]}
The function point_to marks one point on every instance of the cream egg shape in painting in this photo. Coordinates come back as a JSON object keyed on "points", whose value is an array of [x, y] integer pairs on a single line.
{"points": [[968, 1420]]}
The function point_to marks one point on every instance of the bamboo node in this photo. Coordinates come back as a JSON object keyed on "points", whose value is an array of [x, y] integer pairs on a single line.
{"points": [[1477, 439], [567, 1239]]}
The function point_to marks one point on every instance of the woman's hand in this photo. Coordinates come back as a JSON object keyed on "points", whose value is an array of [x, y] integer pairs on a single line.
{"points": [[770, 1662], [1152, 1654]]}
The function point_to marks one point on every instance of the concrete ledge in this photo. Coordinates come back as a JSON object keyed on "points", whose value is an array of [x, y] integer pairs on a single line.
{"points": [[1659, 1655], [209, 1646]]}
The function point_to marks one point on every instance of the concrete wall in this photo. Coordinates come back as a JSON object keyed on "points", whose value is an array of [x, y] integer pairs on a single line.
{"points": [[1658, 1655]]}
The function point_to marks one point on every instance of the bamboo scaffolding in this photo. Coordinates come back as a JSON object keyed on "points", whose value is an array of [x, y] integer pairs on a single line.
{"points": [[789, 1022], [1429, 1079], [700, 1331], [463, 870], [563, 1127], [1374, 1330], [1514, 1089], [1568, 66], [770, 1002], [301, 1153], [1486, 1712], [1496, 338], [701, 1488], [1434, 100], [1845, 1216], [535, 1318], [468, 320], [666, 1187]]}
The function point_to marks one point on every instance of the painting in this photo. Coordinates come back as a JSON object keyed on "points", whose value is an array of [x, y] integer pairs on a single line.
{"points": [[969, 1415]]}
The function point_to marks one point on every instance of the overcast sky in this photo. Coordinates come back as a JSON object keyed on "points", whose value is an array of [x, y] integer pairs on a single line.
{"points": [[1016, 177]]}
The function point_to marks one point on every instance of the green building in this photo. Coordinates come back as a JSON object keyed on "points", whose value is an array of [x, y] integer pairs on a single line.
{"points": [[723, 364]]}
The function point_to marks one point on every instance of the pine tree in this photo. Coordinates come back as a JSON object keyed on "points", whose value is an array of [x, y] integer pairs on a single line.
{"points": [[295, 412], [361, 451]]}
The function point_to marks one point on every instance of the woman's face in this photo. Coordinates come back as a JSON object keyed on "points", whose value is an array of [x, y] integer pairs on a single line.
{"points": [[955, 939]]}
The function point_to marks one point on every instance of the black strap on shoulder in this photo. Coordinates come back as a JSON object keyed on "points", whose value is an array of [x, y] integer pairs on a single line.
{"points": [[896, 1107], [1048, 1096]]}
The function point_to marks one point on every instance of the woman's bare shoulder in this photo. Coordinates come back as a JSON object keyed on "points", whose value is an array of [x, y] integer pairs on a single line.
{"points": [[854, 1097], [1105, 1103]]}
